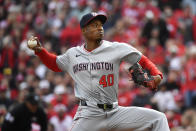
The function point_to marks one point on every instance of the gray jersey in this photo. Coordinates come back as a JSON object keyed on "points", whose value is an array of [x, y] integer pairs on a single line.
{"points": [[96, 73]]}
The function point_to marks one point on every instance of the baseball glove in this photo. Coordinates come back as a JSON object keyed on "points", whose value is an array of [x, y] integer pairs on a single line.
{"points": [[142, 77]]}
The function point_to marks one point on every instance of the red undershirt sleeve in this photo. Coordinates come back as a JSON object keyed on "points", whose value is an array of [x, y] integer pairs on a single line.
{"points": [[48, 59], [147, 64]]}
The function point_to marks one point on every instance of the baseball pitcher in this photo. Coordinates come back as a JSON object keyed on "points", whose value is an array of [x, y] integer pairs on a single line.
{"points": [[94, 66]]}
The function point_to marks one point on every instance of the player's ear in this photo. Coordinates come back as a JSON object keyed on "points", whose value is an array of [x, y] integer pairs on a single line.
{"points": [[84, 30]]}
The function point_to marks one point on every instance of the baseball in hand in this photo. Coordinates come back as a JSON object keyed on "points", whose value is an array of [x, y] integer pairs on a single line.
{"points": [[32, 43]]}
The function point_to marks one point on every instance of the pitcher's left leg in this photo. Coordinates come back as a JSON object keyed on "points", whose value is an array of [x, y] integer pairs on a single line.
{"points": [[138, 119]]}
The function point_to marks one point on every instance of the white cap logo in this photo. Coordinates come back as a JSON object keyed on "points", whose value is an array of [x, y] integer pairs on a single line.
{"points": [[94, 13]]}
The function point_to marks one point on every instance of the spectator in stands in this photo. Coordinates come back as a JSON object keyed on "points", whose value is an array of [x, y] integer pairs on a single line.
{"points": [[155, 27], [155, 49], [164, 99], [180, 104], [7, 61], [61, 121], [189, 80], [3, 111], [71, 35], [4, 100], [23, 90], [173, 80], [45, 94], [174, 119], [185, 24], [187, 121], [60, 96], [81, 8], [192, 4], [174, 4], [143, 98]]}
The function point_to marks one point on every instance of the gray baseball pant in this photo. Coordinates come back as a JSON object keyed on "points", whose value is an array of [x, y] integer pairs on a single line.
{"points": [[119, 119]]}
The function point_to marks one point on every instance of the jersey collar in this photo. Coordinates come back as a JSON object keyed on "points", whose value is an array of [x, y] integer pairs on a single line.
{"points": [[92, 51]]}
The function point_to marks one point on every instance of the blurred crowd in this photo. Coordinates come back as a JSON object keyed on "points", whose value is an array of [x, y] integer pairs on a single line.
{"points": [[163, 30]]}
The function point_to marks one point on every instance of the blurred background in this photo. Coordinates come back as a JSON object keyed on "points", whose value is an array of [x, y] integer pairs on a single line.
{"points": [[163, 30]]}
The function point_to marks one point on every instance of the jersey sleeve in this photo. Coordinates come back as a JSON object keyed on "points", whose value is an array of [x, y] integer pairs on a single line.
{"points": [[48, 59], [128, 53], [63, 61]]}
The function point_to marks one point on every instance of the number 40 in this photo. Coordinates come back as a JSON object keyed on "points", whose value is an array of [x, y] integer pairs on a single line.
{"points": [[107, 80]]}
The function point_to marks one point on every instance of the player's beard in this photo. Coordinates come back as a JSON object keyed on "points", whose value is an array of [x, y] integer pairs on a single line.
{"points": [[99, 40]]}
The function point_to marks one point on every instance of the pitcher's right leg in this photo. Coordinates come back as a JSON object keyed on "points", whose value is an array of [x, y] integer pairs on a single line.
{"points": [[138, 119]]}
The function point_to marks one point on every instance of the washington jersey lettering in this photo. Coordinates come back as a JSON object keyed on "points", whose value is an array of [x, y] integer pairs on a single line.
{"points": [[96, 73]]}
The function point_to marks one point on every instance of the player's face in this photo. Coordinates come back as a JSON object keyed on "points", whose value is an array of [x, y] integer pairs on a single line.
{"points": [[94, 30], [31, 107]]}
